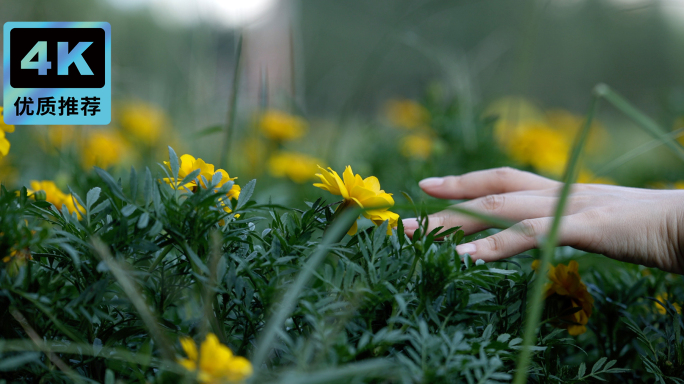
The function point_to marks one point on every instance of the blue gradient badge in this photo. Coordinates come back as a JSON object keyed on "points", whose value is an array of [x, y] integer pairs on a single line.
{"points": [[57, 73]]}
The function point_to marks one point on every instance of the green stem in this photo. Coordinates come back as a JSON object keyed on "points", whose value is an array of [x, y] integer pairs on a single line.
{"points": [[339, 212], [156, 261], [232, 106], [639, 117], [537, 301]]}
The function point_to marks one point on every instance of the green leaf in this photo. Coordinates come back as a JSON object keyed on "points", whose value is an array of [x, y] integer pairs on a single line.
{"points": [[133, 183], [73, 253], [109, 377], [581, 371], [99, 207], [196, 260], [190, 177], [13, 362], [128, 210], [91, 197], [143, 220], [77, 198], [109, 180], [173, 161], [609, 365], [148, 186], [476, 298], [245, 194], [598, 365], [208, 131], [504, 337]]}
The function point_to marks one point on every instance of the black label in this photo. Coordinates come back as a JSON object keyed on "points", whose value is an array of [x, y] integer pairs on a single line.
{"points": [[24, 40]]}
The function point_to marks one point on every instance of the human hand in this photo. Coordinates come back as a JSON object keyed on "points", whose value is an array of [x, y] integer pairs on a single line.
{"points": [[640, 226]]}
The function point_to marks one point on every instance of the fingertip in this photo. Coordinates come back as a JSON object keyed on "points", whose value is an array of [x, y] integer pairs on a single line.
{"points": [[477, 251], [431, 182], [410, 224], [469, 248]]}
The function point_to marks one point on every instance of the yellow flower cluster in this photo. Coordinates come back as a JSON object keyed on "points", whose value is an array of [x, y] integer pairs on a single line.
{"points": [[417, 146], [4, 128], [103, 148], [541, 139], [136, 123], [545, 149], [214, 362], [567, 290], [364, 193], [296, 166], [61, 135], [280, 126], [22, 255], [663, 298], [8, 174], [56, 197], [142, 121], [189, 164], [16, 259], [408, 114]]}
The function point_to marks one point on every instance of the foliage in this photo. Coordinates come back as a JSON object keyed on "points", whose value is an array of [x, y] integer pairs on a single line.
{"points": [[110, 295]]}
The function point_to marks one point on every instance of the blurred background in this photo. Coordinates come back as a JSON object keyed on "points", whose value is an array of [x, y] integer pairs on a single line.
{"points": [[399, 89]]}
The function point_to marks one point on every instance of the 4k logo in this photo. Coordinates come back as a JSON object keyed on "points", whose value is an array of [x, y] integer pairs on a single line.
{"points": [[59, 73]]}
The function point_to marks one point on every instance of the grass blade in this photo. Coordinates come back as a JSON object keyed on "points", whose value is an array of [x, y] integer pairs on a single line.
{"points": [[289, 300], [537, 301], [650, 126], [638, 151], [131, 290], [232, 106]]}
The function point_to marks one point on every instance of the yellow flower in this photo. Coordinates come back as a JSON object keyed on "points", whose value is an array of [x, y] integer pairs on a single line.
{"points": [[254, 152], [8, 174], [417, 146], [663, 299], [189, 164], [16, 260], [233, 194], [56, 197], [22, 254], [570, 124], [60, 135], [540, 139], [407, 114], [103, 148], [510, 112], [281, 126], [4, 143], [678, 124], [567, 290], [678, 184], [297, 166], [215, 363], [5, 127], [364, 193], [540, 146], [142, 121]]}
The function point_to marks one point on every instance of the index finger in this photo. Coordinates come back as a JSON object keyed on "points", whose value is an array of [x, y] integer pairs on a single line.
{"points": [[482, 183]]}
